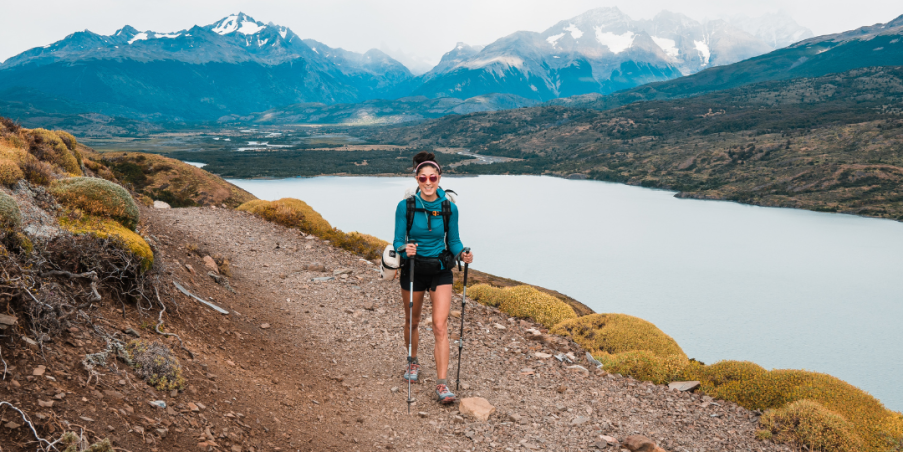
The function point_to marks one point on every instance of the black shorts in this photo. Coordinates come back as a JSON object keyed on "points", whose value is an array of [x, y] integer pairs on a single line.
{"points": [[422, 282]]}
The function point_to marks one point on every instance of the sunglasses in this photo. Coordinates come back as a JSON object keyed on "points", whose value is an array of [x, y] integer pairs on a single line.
{"points": [[432, 177]]}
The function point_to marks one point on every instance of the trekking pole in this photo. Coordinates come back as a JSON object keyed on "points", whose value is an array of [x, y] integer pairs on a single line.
{"points": [[461, 336], [410, 326]]}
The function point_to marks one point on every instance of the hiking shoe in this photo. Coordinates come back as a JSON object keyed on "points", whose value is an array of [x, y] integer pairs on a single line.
{"points": [[412, 373], [445, 394]]}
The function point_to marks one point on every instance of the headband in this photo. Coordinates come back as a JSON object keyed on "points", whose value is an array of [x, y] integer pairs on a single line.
{"points": [[428, 162]]}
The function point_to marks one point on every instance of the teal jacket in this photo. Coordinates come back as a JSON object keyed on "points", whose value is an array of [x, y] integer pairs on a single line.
{"points": [[429, 242]]}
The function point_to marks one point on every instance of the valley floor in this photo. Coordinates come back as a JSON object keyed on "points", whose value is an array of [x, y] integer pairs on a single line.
{"points": [[306, 365]]}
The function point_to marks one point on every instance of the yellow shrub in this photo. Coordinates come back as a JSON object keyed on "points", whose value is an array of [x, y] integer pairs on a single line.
{"points": [[71, 144], [617, 333], [9, 172], [808, 423], [10, 216], [54, 151], [722, 373], [644, 365], [778, 388], [363, 244], [529, 303], [17, 155], [485, 294], [104, 228], [97, 197]]}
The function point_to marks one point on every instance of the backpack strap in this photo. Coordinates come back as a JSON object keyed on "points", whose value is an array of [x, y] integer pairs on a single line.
{"points": [[409, 211], [446, 218]]}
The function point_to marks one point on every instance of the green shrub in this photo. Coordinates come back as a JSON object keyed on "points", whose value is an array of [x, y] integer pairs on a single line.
{"points": [[10, 216], [97, 197], [10, 172], [485, 294], [156, 364], [618, 333], [807, 423], [644, 365]]}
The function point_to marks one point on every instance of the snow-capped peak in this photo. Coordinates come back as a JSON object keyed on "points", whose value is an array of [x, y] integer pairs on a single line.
{"points": [[240, 22]]}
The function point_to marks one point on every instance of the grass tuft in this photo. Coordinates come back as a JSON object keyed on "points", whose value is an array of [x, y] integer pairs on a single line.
{"points": [[524, 302], [156, 364], [807, 423], [644, 365], [10, 173], [97, 197], [104, 228], [10, 216]]}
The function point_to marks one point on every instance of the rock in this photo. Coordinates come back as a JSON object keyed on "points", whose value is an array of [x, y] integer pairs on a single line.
{"points": [[38, 371], [342, 271], [158, 404], [455, 314], [193, 407], [542, 355], [423, 414], [579, 420], [578, 368], [8, 319], [264, 326], [526, 370], [31, 343], [498, 326], [395, 388], [477, 407], [683, 386], [458, 420], [562, 389], [324, 279], [161, 205], [639, 443], [114, 394], [236, 448], [211, 264], [48, 404], [369, 306], [534, 334], [316, 267], [570, 356], [591, 360], [12, 425], [132, 332], [609, 440], [190, 269]]}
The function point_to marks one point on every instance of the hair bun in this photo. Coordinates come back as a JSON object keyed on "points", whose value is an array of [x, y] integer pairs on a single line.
{"points": [[424, 156]]}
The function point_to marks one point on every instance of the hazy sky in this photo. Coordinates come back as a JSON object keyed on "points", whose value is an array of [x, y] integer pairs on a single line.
{"points": [[420, 29]]}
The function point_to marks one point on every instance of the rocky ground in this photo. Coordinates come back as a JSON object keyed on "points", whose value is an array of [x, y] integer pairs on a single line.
{"points": [[310, 357]]}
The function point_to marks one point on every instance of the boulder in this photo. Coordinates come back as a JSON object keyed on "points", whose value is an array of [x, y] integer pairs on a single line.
{"points": [[476, 407], [211, 264], [639, 443], [161, 205]]}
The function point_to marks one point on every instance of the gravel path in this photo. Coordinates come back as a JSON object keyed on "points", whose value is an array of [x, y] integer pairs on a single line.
{"points": [[329, 361]]}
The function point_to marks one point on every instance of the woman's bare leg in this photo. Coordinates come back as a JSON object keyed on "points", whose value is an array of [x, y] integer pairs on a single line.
{"points": [[441, 299], [418, 304]]}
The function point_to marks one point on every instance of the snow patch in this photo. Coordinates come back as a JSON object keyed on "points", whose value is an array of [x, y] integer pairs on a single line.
{"points": [[668, 45], [228, 25], [167, 35], [615, 43], [506, 60], [314, 49], [138, 37], [554, 39], [576, 33], [250, 28], [534, 88], [261, 43], [704, 51], [283, 32]]}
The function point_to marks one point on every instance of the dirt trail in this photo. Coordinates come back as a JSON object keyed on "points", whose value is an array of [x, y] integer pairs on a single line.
{"points": [[301, 364], [333, 375]]}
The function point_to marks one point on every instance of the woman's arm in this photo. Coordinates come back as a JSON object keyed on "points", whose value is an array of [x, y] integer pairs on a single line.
{"points": [[454, 240]]}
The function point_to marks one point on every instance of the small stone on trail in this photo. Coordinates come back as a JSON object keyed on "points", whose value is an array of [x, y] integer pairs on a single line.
{"points": [[423, 414], [477, 407], [190, 268], [48, 404], [132, 332], [683, 385], [161, 205], [38, 371], [394, 389], [455, 314], [316, 267], [562, 389], [12, 425], [211, 264], [542, 355], [609, 439], [639, 443], [193, 407], [579, 420], [264, 326], [578, 368], [369, 306], [499, 326], [158, 404], [527, 371], [342, 271], [323, 279]]}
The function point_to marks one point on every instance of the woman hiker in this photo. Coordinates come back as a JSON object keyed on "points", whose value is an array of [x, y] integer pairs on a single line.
{"points": [[434, 250]]}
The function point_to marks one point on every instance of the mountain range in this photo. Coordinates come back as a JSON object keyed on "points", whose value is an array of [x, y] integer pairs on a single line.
{"points": [[238, 65]]}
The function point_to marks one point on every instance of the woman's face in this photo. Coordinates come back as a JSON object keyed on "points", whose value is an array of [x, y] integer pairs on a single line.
{"points": [[428, 187]]}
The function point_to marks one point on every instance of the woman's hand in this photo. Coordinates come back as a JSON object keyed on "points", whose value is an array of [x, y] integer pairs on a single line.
{"points": [[467, 257], [410, 249]]}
